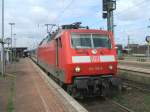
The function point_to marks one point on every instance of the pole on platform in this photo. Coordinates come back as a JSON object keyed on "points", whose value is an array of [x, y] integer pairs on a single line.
{"points": [[15, 48], [148, 47], [128, 44], [11, 35], [148, 50], [2, 43]]}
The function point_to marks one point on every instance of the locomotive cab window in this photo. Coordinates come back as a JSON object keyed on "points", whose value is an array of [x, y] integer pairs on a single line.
{"points": [[101, 41], [81, 41], [90, 41]]}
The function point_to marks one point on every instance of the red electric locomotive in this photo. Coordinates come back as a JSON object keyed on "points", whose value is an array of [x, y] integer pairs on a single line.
{"points": [[82, 60]]}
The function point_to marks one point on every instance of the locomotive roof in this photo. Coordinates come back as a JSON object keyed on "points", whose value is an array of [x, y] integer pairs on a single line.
{"points": [[80, 31], [72, 28], [59, 32], [76, 28]]}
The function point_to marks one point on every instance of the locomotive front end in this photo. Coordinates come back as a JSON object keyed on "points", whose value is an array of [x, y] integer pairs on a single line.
{"points": [[93, 63]]}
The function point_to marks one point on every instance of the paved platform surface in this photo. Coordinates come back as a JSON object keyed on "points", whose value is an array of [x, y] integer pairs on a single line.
{"points": [[5, 89], [33, 94], [137, 64]]}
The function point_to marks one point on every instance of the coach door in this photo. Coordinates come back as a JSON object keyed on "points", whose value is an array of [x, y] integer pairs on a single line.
{"points": [[58, 50]]}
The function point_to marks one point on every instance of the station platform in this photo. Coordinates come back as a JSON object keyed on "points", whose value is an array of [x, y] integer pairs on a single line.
{"points": [[145, 65], [135, 69], [134, 73], [36, 92]]}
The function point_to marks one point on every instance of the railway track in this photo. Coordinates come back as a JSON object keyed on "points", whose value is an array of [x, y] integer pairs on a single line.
{"points": [[122, 106], [138, 86], [110, 105], [104, 105]]}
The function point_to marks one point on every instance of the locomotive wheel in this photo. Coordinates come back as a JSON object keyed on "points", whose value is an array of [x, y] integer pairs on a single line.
{"points": [[116, 89], [70, 89], [73, 92], [106, 89]]}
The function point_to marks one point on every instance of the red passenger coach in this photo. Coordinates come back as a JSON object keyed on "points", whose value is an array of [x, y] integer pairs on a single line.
{"points": [[82, 60]]}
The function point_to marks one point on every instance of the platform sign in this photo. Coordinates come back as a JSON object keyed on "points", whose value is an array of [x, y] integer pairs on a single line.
{"points": [[148, 39]]}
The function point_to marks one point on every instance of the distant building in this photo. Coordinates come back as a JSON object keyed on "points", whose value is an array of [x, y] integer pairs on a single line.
{"points": [[143, 49], [133, 48], [19, 51], [137, 49]]}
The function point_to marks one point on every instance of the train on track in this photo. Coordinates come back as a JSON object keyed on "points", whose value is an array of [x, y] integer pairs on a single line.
{"points": [[82, 60]]}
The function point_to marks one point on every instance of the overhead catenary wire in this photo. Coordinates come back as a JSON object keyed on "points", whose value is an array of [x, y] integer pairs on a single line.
{"points": [[130, 8], [63, 11]]}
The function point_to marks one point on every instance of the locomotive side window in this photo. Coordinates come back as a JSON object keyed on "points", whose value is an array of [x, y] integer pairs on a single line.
{"points": [[100, 41], [81, 41]]}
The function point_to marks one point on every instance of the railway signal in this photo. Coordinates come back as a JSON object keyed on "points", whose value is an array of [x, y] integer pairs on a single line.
{"points": [[148, 47], [148, 39], [108, 7]]}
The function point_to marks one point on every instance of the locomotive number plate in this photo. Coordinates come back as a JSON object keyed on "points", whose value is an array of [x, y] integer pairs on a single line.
{"points": [[95, 68]]}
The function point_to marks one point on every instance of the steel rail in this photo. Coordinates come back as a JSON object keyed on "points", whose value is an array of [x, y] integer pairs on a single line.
{"points": [[139, 88], [122, 106]]}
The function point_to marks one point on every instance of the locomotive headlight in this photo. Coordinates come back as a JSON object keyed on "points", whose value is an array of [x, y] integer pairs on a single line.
{"points": [[77, 69], [110, 67]]}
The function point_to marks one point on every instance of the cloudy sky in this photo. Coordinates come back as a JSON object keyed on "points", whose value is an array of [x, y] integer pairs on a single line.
{"points": [[131, 18]]}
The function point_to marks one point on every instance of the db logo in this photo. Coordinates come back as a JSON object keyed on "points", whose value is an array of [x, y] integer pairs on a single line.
{"points": [[95, 58]]}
